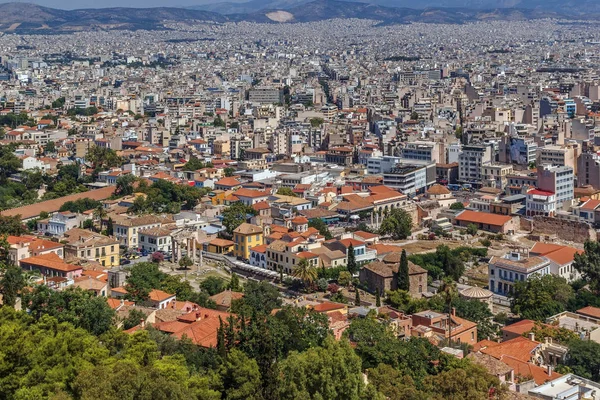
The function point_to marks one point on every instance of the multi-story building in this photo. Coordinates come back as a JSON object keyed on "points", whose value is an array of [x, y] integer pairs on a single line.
{"points": [[496, 175], [88, 245], [410, 179], [516, 266], [540, 202], [421, 152], [379, 165], [588, 170], [559, 180], [59, 223], [245, 237], [470, 161], [340, 155], [265, 95], [126, 229], [565, 155], [155, 239]]}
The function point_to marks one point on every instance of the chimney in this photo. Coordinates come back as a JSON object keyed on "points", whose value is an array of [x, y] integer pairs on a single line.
{"points": [[143, 322], [453, 311], [198, 315], [549, 369], [532, 336]]}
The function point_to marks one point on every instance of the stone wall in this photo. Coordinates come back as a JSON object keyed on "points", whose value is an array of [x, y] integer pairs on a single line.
{"points": [[572, 231]]}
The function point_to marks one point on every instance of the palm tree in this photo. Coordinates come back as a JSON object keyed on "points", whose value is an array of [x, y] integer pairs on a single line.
{"points": [[100, 213], [305, 272], [448, 291]]}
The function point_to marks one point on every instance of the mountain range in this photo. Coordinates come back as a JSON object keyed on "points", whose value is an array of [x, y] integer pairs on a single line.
{"points": [[31, 18]]}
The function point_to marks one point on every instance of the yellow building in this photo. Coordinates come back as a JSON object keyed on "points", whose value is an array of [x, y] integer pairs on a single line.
{"points": [[220, 246], [92, 246], [245, 237]]}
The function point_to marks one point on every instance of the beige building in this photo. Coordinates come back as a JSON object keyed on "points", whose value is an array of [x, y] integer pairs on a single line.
{"points": [[496, 175], [126, 230], [565, 155]]}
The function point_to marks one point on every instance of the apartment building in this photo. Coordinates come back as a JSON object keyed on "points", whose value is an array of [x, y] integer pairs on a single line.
{"points": [[88, 245], [126, 230], [557, 179], [470, 161]]}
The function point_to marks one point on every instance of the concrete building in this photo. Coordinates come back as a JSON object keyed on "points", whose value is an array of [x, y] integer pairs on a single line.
{"points": [[408, 179], [565, 155], [379, 165], [516, 266], [265, 95], [470, 161], [588, 170], [557, 179]]}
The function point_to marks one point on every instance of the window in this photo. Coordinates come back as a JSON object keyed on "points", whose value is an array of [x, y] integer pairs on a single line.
{"points": [[472, 335]]}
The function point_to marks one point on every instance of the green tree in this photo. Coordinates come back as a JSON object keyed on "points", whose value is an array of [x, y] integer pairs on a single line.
{"points": [[457, 206], [540, 297], [185, 262], [332, 371], [345, 278], [11, 284], [74, 305], [213, 285], [584, 359], [229, 171], [259, 297], [240, 377], [134, 318], [80, 205], [143, 277], [478, 312], [234, 283], [469, 382], [194, 164], [175, 284], [285, 191], [321, 226], [398, 224], [11, 226], [236, 215], [472, 229], [125, 185], [100, 214], [403, 273], [377, 299], [414, 116], [588, 264], [352, 266], [316, 122], [50, 147], [356, 297], [391, 383], [305, 272]]}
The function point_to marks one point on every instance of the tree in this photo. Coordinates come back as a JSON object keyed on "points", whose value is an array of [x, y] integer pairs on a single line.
{"points": [[143, 277], [213, 285], [81, 308], [414, 116], [345, 278], [11, 284], [472, 229], [322, 284], [588, 264], [174, 284], [285, 191], [457, 206], [316, 122], [234, 283], [185, 262], [377, 299], [80, 205], [332, 371], [319, 225], [391, 383], [134, 318], [398, 224], [352, 265], [584, 359], [236, 215], [194, 164], [50, 147], [110, 228], [540, 297], [356, 297], [240, 377], [11, 226], [100, 214], [229, 171], [403, 273], [469, 382], [259, 297], [125, 185], [478, 312]]}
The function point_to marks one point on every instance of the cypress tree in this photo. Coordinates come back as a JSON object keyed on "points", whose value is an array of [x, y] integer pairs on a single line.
{"points": [[377, 298], [403, 279]]}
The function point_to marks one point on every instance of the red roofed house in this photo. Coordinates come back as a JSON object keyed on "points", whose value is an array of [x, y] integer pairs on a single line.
{"points": [[540, 202], [248, 196], [51, 265], [200, 326], [486, 221], [160, 299], [228, 183], [561, 259]]}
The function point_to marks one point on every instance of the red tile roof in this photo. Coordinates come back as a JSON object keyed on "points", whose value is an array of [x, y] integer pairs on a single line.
{"points": [[483, 218]]}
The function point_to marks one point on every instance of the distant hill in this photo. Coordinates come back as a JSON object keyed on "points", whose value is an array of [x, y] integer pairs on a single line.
{"points": [[567, 7], [30, 18]]}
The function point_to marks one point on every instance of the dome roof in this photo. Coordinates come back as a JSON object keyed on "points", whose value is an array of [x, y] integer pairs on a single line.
{"points": [[476, 293], [438, 189]]}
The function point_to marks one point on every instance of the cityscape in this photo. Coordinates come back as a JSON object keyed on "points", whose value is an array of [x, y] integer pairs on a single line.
{"points": [[299, 203]]}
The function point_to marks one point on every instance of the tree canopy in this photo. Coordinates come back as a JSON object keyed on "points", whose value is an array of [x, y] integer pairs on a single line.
{"points": [[236, 215], [398, 224], [540, 297]]}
